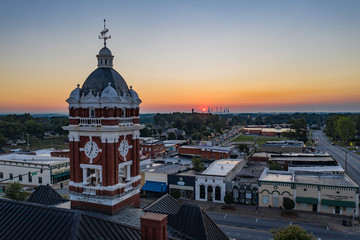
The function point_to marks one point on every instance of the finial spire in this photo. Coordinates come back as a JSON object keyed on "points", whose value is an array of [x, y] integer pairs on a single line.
{"points": [[103, 34]]}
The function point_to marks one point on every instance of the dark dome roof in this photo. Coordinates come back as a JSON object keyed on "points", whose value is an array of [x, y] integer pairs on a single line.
{"points": [[105, 51], [99, 79]]}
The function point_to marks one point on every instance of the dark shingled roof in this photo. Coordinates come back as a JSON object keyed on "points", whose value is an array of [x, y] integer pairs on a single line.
{"points": [[46, 195], [188, 219], [99, 79], [165, 205], [21, 220]]}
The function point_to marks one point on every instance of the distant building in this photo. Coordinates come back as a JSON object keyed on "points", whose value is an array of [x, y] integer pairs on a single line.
{"points": [[61, 153], [204, 152], [266, 131], [287, 160], [285, 146], [151, 148], [323, 189], [154, 177], [32, 170]]}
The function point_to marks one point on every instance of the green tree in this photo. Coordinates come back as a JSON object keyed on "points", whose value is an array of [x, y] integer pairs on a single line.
{"points": [[176, 193], [13, 191], [145, 132], [288, 203], [178, 122], [33, 127], [171, 136], [228, 198], [196, 136], [345, 128], [297, 130], [292, 232], [2, 141], [197, 164]]}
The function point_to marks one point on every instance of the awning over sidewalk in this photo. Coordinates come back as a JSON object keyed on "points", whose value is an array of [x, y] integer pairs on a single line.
{"points": [[338, 203], [307, 200], [59, 175], [152, 186]]}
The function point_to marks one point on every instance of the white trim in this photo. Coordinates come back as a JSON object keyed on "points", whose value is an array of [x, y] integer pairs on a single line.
{"points": [[128, 163], [99, 167], [103, 201]]}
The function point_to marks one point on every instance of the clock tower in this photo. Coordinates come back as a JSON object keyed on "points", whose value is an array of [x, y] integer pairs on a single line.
{"points": [[104, 139]]}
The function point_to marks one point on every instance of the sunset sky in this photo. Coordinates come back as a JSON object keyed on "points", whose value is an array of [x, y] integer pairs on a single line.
{"points": [[250, 56]]}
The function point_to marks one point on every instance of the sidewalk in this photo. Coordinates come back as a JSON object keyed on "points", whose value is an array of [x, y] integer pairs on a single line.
{"points": [[334, 222]]}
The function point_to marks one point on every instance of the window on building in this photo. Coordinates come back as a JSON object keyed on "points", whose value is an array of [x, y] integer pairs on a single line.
{"points": [[11, 176], [30, 178], [92, 113], [123, 112], [221, 156], [202, 191], [212, 156], [349, 209], [304, 205], [20, 177], [1, 175], [105, 61], [265, 200], [40, 180], [325, 207], [217, 193]]}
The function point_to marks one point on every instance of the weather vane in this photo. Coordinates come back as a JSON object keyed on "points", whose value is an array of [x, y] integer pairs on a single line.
{"points": [[103, 34]]}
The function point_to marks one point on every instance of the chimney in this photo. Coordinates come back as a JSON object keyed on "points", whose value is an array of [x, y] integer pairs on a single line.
{"points": [[153, 226]]}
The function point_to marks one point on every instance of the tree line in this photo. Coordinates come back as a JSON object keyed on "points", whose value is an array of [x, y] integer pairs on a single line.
{"points": [[14, 127], [344, 127]]}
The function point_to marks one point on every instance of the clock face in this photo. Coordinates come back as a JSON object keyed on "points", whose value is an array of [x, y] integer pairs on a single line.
{"points": [[124, 148], [91, 149]]}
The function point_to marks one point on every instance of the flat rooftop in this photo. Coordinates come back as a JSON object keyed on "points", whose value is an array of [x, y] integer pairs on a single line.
{"points": [[34, 159], [303, 157], [206, 148], [317, 169], [221, 167], [251, 172], [328, 179], [163, 168]]}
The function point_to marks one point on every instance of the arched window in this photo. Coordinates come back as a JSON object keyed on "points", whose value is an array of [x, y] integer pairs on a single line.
{"points": [[202, 191], [217, 193]]}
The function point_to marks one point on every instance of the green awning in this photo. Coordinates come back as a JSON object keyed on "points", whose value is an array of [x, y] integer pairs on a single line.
{"points": [[307, 200], [338, 203], [59, 175]]}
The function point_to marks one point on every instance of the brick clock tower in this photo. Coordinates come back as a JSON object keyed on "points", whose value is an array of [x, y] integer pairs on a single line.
{"points": [[104, 140]]}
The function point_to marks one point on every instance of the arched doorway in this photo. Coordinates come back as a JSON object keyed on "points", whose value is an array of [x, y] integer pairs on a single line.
{"points": [[217, 193], [209, 193], [202, 192]]}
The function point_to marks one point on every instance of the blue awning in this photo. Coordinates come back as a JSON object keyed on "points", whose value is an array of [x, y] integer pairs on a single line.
{"points": [[152, 186]]}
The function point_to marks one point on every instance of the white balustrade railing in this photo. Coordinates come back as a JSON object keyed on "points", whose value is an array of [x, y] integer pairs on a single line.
{"points": [[126, 121], [89, 191], [90, 122], [96, 122]]}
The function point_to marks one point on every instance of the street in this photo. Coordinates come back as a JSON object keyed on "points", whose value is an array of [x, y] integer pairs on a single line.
{"points": [[353, 159], [245, 227]]}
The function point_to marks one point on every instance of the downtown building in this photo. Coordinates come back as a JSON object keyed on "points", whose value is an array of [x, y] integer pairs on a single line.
{"points": [[314, 182]]}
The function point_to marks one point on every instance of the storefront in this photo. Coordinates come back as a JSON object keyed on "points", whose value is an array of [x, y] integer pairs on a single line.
{"points": [[184, 183]]}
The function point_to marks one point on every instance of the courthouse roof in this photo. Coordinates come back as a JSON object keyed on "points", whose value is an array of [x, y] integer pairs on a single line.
{"points": [[46, 195], [21, 220]]}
